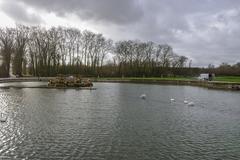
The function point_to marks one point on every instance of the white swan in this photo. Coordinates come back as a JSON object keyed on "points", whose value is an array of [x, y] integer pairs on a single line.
{"points": [[143, 96], [185, 102], [191, 104], [172, 100]]}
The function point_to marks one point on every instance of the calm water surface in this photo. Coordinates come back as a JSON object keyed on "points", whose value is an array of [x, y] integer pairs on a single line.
{"points": [[112, 122]]}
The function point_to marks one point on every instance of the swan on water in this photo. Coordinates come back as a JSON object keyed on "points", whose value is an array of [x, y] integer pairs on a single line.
{"points": [[185, 102], [143, 96], [190, 104], [172, 100]]}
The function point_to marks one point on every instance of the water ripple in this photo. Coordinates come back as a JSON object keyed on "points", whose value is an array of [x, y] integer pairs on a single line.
{"points": [[113, 123]]}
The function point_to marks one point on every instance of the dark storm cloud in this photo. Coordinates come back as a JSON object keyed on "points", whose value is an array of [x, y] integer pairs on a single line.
{"points": [[206, 31], [116, 11], [17, 12]]}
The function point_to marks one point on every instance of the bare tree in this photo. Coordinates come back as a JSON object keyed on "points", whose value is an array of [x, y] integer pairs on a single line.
{"points": [[7, 48], [166, 55], [47, 52], [21, 39]]}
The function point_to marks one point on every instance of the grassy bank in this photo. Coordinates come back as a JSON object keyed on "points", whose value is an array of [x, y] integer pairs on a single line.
{"points": [[226, 83], [224, 79], [227, 78], [149, 78], [218, 78]]}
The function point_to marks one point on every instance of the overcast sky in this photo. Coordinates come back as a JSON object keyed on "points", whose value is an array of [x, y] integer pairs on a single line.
{"points": [[206, 31]]}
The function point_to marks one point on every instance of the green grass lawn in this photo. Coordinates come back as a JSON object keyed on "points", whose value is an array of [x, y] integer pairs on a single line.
{"points": [[218, 78], [227, 78], [148, 78]]}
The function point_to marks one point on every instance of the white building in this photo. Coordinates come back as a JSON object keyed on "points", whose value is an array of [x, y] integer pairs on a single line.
{"points": [[206, 76]]}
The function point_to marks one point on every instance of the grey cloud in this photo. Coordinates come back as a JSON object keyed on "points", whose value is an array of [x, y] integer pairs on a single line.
{"points": [[206, 31], [213, 40], [19, 14], [115, 11]]}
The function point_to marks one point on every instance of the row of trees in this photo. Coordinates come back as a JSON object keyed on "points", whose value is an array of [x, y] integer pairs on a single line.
{"points": [[145, 58], [225, 69], [46, 52]]}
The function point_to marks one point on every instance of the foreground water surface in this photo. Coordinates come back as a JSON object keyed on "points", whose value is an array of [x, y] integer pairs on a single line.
{"points": [[112, 122]]}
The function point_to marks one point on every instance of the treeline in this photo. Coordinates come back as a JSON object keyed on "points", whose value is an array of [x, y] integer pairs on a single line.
{"points": [[136, 58], [39, 51], [47, 52], [225, 69]]}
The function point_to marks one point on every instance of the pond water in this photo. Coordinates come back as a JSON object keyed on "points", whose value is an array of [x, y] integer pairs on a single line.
{"points": [[112, 122]]}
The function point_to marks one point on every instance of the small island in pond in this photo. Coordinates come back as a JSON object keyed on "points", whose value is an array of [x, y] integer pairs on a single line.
{"points": [[69, 82]]}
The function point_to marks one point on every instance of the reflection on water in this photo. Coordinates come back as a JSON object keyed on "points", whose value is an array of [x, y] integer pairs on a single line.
{"points": [[112, 122]]}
